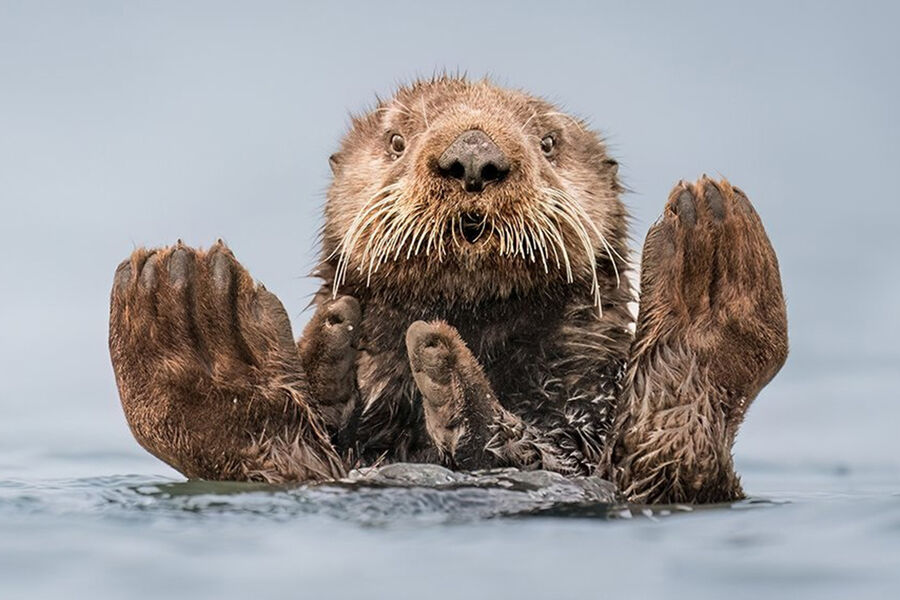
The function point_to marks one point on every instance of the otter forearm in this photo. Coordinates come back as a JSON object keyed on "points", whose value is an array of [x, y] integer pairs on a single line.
{"points": [[712, 331], [673, 442]]}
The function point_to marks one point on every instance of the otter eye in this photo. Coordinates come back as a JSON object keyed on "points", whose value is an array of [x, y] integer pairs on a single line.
{"points": [[398, 144], [547, 145]]}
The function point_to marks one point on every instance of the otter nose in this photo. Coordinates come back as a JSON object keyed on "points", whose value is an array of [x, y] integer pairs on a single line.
{"points": [[475, 160]]}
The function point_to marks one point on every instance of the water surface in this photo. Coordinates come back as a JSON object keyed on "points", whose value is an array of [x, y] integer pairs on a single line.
{"points": [[83, 515]]}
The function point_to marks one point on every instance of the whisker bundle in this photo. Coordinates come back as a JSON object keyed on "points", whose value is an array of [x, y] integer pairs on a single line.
{"points": [[391, 226]]}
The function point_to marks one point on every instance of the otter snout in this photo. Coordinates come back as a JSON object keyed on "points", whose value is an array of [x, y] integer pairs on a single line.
{"points": [[475, 160]]}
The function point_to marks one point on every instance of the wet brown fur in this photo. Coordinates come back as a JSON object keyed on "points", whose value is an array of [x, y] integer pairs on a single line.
{"points": [[208, 373], [493, 352]]}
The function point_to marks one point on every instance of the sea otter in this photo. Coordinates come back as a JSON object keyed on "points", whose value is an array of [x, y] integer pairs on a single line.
{"points": [[474, 312]]}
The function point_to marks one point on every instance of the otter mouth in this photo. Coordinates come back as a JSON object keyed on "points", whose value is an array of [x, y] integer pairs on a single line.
{"points": [[473, 226]]}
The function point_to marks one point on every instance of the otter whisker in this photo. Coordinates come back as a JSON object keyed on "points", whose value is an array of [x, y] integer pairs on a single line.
{"points": [[534, 247], [416, 239], [609, 249], [558, 247], [561, 244], [376, 219], [384, 234], [430, 238], [456, 222], [370, 205], [358, 224], [517, 238], [424, 232], [375, 205], [410, 228], [495, 230], [559, 207], [546, 239], [541, 244], [369, 216], [434, 238], [406, 229], [520, 237], [509, 239], [481, 230], [521, 234], [527, 236], [586, 218], [526, 239], [577, 227], [395, 235], [367, 254], [441, 241], [387, 238]]}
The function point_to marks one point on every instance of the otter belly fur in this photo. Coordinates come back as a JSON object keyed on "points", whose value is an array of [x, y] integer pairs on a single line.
{"points": [[474, 312]]}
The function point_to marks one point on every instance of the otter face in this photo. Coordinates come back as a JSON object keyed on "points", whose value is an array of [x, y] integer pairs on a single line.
{"points": [[468, 191]]}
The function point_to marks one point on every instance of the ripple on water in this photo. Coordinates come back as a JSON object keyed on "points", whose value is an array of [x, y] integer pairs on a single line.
{"points": [[392, 493]]}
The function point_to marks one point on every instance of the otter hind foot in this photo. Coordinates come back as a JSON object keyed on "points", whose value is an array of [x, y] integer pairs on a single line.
{"points": [[208, 372], [457, 398]]}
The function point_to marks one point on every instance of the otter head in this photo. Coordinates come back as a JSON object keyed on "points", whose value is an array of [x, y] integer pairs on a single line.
{"points": [[465, 192]]}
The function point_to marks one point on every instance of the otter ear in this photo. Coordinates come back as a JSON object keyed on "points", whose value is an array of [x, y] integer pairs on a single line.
{"points": [[613, 165], [334, 161]]}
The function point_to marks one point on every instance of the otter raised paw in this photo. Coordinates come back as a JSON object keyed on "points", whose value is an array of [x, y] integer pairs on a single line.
{"points": [[458, 402], [711, 332], [463, 415], [328, 350], [208, 372]]}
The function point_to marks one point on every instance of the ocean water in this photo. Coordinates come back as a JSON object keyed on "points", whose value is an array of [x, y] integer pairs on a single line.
{"points": [[129, 124], [83, 514]]}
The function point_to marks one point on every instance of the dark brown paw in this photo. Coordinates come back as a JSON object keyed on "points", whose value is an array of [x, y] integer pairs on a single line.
{"points": [[208, 372], [178, 310], [334, 332], [457, 398], [710, 281], [328, 349]]}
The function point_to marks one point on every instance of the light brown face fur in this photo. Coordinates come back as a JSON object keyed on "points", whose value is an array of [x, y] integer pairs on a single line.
{"points": [[396, 224]]}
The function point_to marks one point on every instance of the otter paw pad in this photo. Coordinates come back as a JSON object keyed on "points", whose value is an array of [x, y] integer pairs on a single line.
{"points": [[431, 348]]}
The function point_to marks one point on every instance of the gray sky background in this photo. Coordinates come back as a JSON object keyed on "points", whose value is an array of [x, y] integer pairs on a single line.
{"points": [[126, 124]]}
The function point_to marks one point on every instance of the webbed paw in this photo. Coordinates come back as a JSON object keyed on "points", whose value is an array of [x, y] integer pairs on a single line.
{"points": [[710, 285], [208, 371]]}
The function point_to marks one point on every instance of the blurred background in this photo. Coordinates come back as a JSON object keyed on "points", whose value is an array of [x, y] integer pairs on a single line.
{"points": [[130, 124]]}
